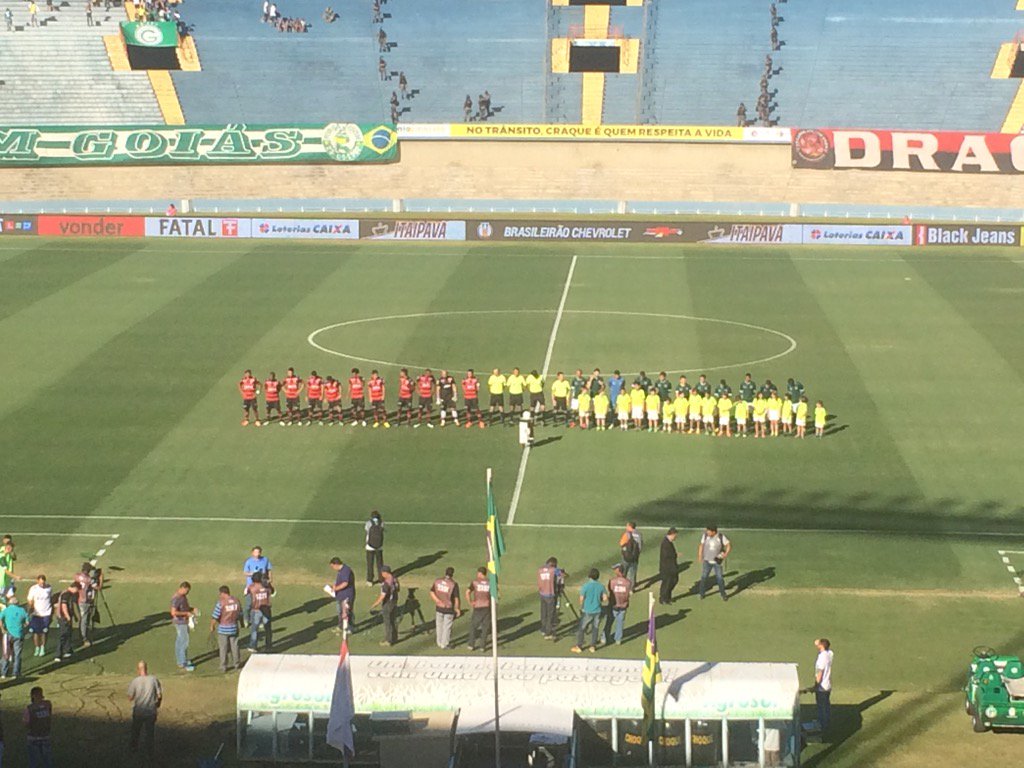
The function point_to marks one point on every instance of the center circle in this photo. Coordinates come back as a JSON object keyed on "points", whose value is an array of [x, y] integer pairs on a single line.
{"points": [[618, 339]]}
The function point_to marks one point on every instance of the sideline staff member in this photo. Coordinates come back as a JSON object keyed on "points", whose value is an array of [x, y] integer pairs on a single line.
{"points": [[445, 594]]}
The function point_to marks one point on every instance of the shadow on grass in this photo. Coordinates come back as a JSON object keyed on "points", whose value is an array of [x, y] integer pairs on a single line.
{"points": [[847, 720], [760, 508]]}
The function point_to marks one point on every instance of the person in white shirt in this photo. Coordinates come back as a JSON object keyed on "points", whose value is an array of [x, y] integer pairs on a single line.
{"points": [[823, 682], [40, 611]]}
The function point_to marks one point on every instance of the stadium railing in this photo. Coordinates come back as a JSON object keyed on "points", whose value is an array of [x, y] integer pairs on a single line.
{"points": [[576, 207]]}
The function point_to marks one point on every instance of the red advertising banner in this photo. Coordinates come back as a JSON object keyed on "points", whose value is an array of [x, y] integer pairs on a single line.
{"points": [[92, 226], [936, 151]]}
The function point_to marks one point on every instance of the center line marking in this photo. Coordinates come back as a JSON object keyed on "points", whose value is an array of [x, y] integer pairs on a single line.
{"points": [[543, 374]]}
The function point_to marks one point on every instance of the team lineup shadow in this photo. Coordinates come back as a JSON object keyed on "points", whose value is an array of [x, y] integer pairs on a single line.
{"points": [[546, 441], [736, 505]]}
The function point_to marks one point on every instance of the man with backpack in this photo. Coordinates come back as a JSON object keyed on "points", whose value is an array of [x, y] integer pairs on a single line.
{"points": [[631, 544], [714, 547], [374, 548]]}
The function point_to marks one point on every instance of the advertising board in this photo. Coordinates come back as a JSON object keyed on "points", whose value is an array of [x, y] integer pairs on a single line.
{"points": [[197, 228], [309, 229], [969, 234], [632, 231], [856, 234], [412, 229], [933, 151], [91, 226], [17, 225]]}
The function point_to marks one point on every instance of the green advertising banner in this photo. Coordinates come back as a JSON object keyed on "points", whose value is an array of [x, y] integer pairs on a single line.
{"points": [[197, 144], [151, 34]]}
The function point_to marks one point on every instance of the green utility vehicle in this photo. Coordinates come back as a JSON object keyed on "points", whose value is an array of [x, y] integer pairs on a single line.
{"points": [[994, 691]]}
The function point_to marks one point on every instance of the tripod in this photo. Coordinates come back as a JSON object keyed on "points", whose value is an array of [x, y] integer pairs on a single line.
{"points": [[102, 599]]}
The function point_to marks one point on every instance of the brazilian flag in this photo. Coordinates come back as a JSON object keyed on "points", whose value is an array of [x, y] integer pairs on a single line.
{"points": [[651, 676], [495, 541]]}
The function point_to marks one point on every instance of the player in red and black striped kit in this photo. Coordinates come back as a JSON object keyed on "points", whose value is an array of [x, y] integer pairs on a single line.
{"points": [[292, 389], [315, 398], [332, 394], [471, 397], [357, 398], [249, 388], [380, 411], [405, 387], [425, 390], [272, 394]]}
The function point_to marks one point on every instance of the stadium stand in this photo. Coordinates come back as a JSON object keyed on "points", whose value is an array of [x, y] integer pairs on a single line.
{"points": [[699, 59], [59, 72]]}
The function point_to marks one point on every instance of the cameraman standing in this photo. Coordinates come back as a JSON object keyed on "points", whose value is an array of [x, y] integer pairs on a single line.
{"points": [[631, 544], [256, 563], [88, 583], [550, 585], [714, 547]]}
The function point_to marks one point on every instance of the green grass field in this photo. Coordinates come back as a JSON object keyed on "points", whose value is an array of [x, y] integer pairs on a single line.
{"points": [[120, 416]]}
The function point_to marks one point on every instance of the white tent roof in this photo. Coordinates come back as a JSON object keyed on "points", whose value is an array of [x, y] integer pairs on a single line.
{"points": [[536, 691]]}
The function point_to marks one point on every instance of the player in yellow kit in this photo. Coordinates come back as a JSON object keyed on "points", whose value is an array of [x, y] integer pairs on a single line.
{"points": [[496, 389], [516, 384], [774, 411], [707, 412], [622, 409], [636, 405], [694, 404], [653, 407], [787, 415], [583, 404], [679, 407], [742, 411], [560, 398], [820, 416], [535, 386], [601, 404], [760, 413], [667, 410], [801, 417], [724, 416]]}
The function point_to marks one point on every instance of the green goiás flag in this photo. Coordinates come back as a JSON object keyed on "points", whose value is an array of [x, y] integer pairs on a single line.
{"points": [[495, 542], [150, 34]]}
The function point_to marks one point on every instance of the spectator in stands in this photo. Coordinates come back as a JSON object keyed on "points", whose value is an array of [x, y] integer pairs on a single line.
{"points": [[768, 65], [266, 11], [480, 113], [88, 14], [741, 115], [172, 209], [382, 69], [394, 114], [487, 104], [330, 15], [774, 14], [775, 39], [377, 18], [9, 18], [382, 40], [273, 15], [51, 8], [394, 101], [467, 107], [33, 14], [403, 85]]}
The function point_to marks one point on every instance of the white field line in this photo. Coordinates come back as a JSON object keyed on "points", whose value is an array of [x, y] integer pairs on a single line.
{"points": [[469, 524], [1004, 556], [17, 534], [103, 550], [517, 490]]}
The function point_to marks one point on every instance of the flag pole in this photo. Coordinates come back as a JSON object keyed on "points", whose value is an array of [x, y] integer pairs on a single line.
{"points": [[494, 650]]}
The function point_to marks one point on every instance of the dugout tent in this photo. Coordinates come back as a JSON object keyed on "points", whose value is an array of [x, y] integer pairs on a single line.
{"points": [[710, 713]]}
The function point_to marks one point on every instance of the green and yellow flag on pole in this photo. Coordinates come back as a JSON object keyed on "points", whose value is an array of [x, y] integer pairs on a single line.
{"points": [[495, 542], [651, 675]]}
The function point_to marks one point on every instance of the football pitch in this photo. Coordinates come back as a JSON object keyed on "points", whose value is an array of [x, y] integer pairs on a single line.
{"points": [[897, 535]]}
